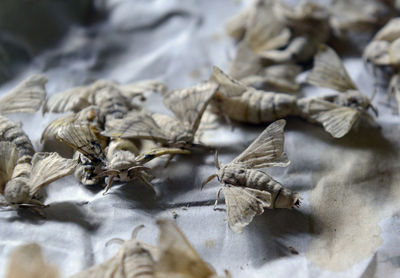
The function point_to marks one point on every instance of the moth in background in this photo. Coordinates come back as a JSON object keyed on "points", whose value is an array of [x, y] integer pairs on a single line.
{"points": [[27, 261], [27, 97], [188, 106], [22, 179], [338, 113], [248, 190]]}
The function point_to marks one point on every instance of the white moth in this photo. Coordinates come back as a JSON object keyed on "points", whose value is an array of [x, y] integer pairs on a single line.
{"points": [[22, 179], [27, 97], [340, 113], [27, 261], [188, 106], [133, 260], [118, 162], [177, 257], [248, 190]]}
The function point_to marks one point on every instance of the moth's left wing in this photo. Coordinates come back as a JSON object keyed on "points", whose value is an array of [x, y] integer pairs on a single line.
{"points": [[242, 204], [329, 71], [82, 139], [27, 97], [189, 104], [138, 88], [266, 150], [8, 160], [47, 168], [27, 261], [177, 256]]}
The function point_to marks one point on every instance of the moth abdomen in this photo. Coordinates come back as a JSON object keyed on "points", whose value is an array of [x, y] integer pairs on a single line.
{"points": [[11, 132]]}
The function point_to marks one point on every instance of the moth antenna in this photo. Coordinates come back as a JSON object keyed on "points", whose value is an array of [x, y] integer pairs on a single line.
{"points": [[136, 231], [210, 178], [115, 240], [216, 160]]}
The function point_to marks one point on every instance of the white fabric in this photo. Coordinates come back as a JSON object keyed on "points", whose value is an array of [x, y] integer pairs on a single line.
{"points": [[348, 222]]}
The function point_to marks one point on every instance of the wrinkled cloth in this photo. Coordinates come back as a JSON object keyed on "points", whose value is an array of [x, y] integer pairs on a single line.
{"points": [[348, 221]]}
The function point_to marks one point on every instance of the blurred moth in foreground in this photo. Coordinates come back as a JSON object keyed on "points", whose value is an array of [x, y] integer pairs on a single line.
{"points": [[173, 257], [247, 190], [27, 261]]}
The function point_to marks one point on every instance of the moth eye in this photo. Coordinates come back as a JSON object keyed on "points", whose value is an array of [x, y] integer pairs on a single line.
{"points": [[241, 171]]}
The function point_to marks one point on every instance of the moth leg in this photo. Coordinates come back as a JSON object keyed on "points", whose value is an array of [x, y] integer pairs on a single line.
{"points": [[216, 201], [109, 183], [146, 182]]}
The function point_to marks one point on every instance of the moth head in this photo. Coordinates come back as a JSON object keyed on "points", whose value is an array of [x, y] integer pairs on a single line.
{"points": [[358, 100], [17, 191]]}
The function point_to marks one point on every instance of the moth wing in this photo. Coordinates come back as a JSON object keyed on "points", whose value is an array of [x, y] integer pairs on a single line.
{"points": [[338, 122], [264, 30], [106, 269], [227, 85], [47, 168], [74, 100], [329, 71], [243, 204], [52, 129], [137, 88], [27, 97], [246, 62], [82, 139], [177, 257], [8, 160], [136, 124], [27, 261], [266, 150], [189, 104]]}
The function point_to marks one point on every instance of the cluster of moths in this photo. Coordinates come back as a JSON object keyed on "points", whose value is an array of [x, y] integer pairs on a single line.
{"points": [[172, 257], [383, 53], [338, 112], [106, 128], [248, 190], [23, 173]]}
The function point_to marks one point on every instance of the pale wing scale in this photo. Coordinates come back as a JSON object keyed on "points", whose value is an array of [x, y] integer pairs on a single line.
{"points": [[74, 100], [329, 71], [243, 204], [177, 256], [8, 160], [27, 97], [27, 261], [47, 168], [189, 104], [83, 140], [338, 121], [136, 124], [264, 150]]}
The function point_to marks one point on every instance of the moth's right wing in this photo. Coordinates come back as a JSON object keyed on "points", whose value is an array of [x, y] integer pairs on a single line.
{"points": [[335, 119], [266, 150], [242, 204], [138, 88], [27, 97], [27, 261], [227, 85], [52, 129], [82, 139], [329, 71], [74, 100], [8, 160], [177, 257], [136, 124], [47, 168]]}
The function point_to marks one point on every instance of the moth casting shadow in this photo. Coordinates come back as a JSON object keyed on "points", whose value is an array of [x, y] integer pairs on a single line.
{"points": [[248, 190]]}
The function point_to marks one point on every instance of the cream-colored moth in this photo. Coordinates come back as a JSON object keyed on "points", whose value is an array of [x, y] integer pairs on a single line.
{"points": [[248, 190], [188, 106], [27, 97], [22, 179], [27, 261]]}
